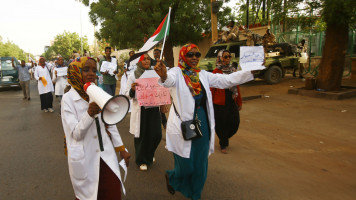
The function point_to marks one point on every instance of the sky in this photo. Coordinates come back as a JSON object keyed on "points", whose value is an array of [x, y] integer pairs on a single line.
{"points": [[32, 24]]}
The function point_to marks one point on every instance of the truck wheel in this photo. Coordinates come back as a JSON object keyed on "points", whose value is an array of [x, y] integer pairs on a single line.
{"points": [[273, 75]]}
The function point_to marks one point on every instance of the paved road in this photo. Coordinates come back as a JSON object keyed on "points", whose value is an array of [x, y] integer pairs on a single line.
{"points": [[33, 166]]}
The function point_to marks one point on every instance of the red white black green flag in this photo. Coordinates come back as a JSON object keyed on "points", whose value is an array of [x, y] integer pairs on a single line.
{"points": [[159, 35]]}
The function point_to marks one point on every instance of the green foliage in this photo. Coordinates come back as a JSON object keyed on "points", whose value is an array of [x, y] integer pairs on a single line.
{"points": [[64, 44], [125, 23], [339, 12], [12, 50]]}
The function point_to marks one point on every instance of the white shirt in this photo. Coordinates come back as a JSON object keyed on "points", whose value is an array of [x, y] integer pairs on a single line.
{"points": [[60, 81], [44, 72], [83, 146], [184, 103]]}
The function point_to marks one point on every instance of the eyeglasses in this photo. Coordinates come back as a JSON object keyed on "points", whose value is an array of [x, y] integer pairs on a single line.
{"points": [[226, 57], [191, 54]]}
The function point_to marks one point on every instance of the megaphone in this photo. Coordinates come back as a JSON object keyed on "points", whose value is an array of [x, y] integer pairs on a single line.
{"points": [[113, 108]]}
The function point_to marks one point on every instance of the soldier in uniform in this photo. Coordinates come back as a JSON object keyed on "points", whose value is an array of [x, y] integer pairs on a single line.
{"points": [[301, 48], [268, 40], [232, 34]]}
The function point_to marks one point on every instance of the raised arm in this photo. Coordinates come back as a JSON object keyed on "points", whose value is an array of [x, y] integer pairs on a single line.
{"points": [[12, 62], [223, 81]]}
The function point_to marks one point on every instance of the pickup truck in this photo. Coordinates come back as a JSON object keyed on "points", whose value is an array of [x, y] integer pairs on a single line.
{"points": [[9, 77], [284, 57]]}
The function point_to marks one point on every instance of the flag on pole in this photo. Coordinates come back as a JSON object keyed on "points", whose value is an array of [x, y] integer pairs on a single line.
{"points": [[160, 34]]}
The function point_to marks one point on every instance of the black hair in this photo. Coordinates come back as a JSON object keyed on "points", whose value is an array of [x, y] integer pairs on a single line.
{"points": [[132, 51], [157, 50], [107, 48], [226, 51], [233, 22]]}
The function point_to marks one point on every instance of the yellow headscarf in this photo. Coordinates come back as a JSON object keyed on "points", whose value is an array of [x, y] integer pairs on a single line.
{"points": [[75, 78]]}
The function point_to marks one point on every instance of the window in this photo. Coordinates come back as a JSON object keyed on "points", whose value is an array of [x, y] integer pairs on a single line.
{"points": [[236, 50], [213, 51]]}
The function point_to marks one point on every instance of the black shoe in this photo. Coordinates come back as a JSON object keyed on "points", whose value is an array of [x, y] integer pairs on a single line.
{"points": [[169, 187], [294, 75], [29, 98], [301, 76]]}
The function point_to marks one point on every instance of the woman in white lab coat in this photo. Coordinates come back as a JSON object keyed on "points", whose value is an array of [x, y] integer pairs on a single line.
{"points": [[145, 122], [94, 173], [60, 81], [45, 85], [189, 88]]}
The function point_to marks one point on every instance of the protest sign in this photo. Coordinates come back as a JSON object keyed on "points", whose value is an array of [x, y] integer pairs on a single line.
{"points": [[150, 93], [62, 71], [251, 58]]}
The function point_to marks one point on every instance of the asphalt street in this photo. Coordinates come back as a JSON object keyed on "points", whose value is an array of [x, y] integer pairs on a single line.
{"points": [[33, 165]]}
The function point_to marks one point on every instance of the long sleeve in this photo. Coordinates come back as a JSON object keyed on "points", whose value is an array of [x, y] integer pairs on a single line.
{"points": [[115, 136], [130, 80], [223, 81], [74, 127], [36, 74]]}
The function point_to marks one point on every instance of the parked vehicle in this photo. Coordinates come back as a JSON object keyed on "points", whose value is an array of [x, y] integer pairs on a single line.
{"points": [[9, 77], [283, 57]]}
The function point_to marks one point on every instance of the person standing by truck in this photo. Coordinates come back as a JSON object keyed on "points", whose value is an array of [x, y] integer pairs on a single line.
{"points": [[24, 77], [303, 56]]}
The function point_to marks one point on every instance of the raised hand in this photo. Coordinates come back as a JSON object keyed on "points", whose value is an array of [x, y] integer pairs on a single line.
{"points": [[161, 70]]}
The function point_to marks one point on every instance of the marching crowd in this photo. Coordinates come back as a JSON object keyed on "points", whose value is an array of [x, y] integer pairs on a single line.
{"points": [[203, 103]]}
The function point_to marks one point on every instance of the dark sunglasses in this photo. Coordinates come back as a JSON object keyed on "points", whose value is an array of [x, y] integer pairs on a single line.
{"points": [[191, 54], [226, 57]]}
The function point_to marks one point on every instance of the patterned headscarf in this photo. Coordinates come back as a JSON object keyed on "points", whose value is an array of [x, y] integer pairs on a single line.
{"points": [[191, 74], [75, 78]]}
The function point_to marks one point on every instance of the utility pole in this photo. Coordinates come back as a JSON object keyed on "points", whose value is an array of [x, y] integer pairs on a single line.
{"points": [[247, 13], [214, 23]]}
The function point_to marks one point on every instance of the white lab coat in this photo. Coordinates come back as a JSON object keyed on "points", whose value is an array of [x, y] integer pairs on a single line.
{"points": [[60, 82], [44, 72], [83, 146], [135, 118], [184, 103]]}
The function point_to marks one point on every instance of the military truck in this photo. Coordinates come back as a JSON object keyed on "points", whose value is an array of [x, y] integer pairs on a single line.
{"points": [[283, 57]]}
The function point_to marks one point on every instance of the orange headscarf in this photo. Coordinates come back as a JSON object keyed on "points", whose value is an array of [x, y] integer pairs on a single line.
{"points": [[191, 74]]}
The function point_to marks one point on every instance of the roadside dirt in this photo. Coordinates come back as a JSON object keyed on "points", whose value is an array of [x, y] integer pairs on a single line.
{"points": [[293, 147], [287, 147]]}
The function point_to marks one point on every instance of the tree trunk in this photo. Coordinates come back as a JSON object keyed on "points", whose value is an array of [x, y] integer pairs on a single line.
{"points": [[168, 53], [333, 59], [263, 9]]}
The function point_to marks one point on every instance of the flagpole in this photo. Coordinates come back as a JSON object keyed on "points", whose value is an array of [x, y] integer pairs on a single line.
{"points": [[165, 34]]}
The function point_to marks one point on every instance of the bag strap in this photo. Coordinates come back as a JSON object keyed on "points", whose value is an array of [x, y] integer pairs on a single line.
{"points": [[179, 115]]}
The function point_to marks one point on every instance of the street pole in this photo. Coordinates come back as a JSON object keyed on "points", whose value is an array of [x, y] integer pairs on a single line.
{"points": [[214, 24], [81, 32]]}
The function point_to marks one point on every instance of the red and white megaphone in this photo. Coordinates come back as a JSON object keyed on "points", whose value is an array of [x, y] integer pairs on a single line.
{"points": [[113, 108]]}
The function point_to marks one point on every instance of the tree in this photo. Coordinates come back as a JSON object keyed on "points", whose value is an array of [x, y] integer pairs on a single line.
{"points": [[65, 43], [125, 23], [12, 50], [338, 15]]}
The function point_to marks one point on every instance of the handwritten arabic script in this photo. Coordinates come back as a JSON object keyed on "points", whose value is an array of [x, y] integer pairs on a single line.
{"points": [[150, 93], [251, 58]]}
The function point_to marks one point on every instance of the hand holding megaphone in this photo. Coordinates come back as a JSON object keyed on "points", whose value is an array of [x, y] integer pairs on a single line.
{"points": [[113, 108], [93, 109]]}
